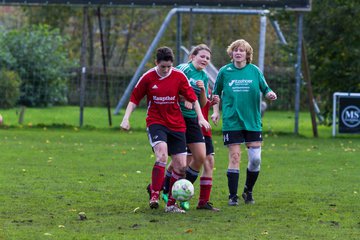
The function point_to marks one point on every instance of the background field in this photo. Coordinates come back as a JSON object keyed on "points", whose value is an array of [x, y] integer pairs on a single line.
{"points": [[308, 188]]}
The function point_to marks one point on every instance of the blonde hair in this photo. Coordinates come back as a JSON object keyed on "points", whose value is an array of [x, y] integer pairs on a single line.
{"points": [[241, 43], [195, 50]]}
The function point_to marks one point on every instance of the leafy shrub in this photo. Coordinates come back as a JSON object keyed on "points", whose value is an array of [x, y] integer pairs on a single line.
{"points": [[9, 88], [41, 62]]}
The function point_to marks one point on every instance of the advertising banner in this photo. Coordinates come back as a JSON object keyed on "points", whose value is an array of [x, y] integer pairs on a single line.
{"points": [[349, 114]]}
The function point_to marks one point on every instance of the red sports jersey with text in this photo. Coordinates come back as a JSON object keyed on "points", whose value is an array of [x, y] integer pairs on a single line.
{"points": [[163, 97]]}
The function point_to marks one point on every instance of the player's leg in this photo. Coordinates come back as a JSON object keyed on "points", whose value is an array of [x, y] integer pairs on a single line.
{"points": [[253, 170], [158, 140], [198, 150], [233, 139], [206, 178], [253, 143], [158, 170], [177, 150], [167, 179], [179, 166], [233, 173], [196, 144]]}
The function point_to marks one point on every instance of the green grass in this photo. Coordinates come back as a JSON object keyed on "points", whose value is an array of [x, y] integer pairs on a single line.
{"points": [[308, 187], [275, 122]]}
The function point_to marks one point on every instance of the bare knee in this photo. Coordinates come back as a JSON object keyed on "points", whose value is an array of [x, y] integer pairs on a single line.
{"points": [[234, 158]]}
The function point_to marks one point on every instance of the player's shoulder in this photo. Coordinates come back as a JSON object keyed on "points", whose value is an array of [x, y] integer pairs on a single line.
{"points": [[147, 75], [253, 67], [227, 68], [149, 72], [184, 67], [177, 71]]}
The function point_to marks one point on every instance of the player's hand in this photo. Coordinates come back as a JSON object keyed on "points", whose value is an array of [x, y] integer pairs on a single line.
{"points": [[271, 96], [215, 100], [215, 117], [188, 105], [200, 84], [203, 123], [125, 125], [181, 98]]}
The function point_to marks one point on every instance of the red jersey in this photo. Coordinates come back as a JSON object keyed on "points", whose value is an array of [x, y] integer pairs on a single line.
{"points": [[163, 97]]}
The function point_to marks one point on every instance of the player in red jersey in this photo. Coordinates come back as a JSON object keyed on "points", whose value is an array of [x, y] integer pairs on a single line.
{"points": [[206, 178], [162, 85]]}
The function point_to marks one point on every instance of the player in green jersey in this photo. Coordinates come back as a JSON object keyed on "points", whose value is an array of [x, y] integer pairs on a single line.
{"points": [[198, 153], [240, 85]]}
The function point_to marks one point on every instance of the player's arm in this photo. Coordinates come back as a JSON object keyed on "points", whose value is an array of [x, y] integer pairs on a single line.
{"points": [[203, 97], [215, 117], [202, 121], [125, 124], [265, 89], [218, 86]]}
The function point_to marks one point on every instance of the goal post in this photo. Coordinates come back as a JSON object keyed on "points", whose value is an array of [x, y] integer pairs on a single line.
{"points": [[292, 5]]}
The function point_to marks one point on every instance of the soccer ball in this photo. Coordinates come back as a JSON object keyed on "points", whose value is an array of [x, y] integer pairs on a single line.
{"points": [[182, 190]]}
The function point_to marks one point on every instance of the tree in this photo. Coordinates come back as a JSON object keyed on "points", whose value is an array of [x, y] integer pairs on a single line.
{"points": [[332, 33], [40, 58], [9, 88]]}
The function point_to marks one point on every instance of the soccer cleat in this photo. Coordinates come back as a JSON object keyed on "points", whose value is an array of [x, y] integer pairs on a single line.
{"points": [[154, 199], [185, 205], [233, 201], [174, 209], [208, 206], [165, 197], [247, 196]]}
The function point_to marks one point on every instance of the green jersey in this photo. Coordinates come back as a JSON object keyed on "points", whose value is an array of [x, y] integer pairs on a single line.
{"points": [[193, 76], [240, 92]]}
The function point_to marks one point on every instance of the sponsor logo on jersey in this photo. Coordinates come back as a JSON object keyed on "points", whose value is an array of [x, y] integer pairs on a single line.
{"points": [[164, 100], [229, 69], [240, 82], [155, 87]]}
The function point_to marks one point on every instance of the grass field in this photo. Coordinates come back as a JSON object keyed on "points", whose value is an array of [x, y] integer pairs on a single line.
{"points": [[308, 187]]}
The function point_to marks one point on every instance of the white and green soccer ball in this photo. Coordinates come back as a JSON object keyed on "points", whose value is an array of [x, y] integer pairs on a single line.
{"points": [[182, 190]]}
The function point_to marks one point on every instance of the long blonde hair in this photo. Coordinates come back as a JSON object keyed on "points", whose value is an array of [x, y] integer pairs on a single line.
{"points": [[241, 43]]}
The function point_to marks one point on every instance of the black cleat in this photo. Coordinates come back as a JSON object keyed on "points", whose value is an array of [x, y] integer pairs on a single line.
{"points": [[208, 206], [233, 201], [247, 196]]}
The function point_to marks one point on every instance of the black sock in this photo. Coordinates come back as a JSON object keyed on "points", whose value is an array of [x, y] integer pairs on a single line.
{"points": [[251, 178], [191, 174], [233, 181], [166, 182]]}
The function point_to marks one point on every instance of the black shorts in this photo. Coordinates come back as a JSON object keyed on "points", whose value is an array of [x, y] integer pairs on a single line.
{"points": [[241, 136], [175, 140], [209, 146], [193, 131]]}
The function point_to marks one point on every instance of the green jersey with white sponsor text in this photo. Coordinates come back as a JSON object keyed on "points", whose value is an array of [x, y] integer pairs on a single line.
{"points": [[193, 75], [240, 92]]}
